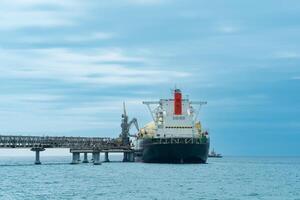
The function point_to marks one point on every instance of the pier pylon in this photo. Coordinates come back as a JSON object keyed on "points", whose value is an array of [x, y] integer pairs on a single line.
{"points": [[37, 154]]}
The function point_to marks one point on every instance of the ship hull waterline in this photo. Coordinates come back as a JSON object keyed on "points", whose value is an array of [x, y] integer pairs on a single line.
{"points": [[174, 153]]}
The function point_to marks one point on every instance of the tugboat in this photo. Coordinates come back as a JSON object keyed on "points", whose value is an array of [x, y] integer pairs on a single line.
{"points": [[174, 135], [213, 154]]}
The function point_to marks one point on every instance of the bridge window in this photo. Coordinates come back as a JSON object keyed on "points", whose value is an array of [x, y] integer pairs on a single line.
{"points": [[180, 127]]}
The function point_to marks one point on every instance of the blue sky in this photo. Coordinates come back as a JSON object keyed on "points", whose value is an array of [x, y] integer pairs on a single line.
{"points": [[67, 66]]}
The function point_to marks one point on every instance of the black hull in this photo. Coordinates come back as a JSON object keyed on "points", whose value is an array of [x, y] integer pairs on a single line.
{"points": [[174, 153]]}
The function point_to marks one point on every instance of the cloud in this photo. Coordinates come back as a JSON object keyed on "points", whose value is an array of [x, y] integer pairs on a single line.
{"points": [[228, 29], [29, 13], [296, 78], [15, 20], [29, 97], [237, 103], [90, 37], [39, 113], [287, 55], [103, 105], [102, 67], [31, 3], [146, 2]]}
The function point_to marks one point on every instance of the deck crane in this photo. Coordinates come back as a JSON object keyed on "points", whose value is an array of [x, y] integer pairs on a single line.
{"points": [[125, 125]]}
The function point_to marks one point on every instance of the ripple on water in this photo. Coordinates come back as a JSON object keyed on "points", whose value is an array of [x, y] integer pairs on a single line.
{"points": [[227, 178], [252, 194]]}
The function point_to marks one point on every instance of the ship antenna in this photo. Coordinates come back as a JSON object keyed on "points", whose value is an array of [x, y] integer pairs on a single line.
{"points": [[171, 91], [124, 108]]}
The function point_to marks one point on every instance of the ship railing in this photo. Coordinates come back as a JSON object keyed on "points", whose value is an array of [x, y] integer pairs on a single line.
{"points": [[178, 140]]}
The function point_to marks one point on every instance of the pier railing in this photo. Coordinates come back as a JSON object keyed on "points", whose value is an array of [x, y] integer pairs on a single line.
{"points": [[9, 141]]}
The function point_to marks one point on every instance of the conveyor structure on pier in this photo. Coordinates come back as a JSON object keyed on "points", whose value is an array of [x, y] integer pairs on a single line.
{"points": [[77, 145]]}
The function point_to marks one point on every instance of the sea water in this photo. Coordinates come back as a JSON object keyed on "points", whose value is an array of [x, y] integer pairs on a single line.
{"points": [[221, 178]]}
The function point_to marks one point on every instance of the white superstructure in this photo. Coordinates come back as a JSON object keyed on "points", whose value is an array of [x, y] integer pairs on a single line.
{"points": [[174, 118]]}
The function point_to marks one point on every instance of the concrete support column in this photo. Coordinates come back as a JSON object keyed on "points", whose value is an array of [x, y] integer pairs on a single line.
{"points": [[106, 159], [125, 157], [79, 157], [37, 154], [96, 156], [75, 158], [130, 157], [93, 157], [85, 158]]}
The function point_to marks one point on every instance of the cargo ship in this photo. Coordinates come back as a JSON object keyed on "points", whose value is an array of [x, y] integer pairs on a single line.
{"points": [[174, 135]]}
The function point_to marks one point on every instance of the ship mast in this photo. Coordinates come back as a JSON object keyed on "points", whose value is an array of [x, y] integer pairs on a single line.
{"points": [[200, 103], [152, 111]]}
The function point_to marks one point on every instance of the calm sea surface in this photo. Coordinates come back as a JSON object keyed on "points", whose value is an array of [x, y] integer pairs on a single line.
{"points": [[226, 178]]}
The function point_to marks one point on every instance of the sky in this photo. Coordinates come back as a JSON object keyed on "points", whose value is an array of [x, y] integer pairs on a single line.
{"points": [[67, 66]]}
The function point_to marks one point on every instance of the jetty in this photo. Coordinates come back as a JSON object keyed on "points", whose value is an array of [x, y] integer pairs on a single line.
{"points": [[77, 145]]}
